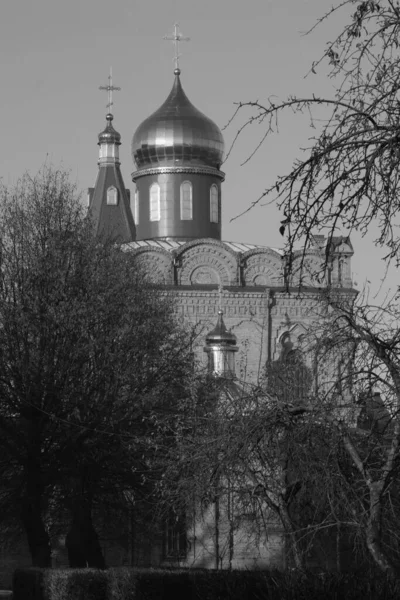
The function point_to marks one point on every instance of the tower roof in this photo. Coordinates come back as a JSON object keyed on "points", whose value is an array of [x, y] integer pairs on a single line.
{"points": [[109, 135], [177, 134], [220, 334]]}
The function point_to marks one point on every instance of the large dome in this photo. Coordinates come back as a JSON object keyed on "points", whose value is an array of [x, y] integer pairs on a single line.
{"points": [[177, 134]]}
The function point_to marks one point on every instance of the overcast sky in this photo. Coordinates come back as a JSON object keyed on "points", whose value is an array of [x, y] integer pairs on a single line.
{"points": [[55, 54]]}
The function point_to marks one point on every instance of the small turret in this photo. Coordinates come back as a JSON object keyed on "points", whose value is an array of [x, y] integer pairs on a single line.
{"points": [[109, 140], [109, 200], [221, 347]]}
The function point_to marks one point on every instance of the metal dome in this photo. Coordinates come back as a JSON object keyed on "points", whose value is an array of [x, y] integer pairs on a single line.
{"points": [[177, 134], [220, 335], [109, 135]]}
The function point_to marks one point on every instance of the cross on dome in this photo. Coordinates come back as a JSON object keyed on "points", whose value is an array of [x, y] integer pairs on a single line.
{"points": [[110, 88], [176, 37]]}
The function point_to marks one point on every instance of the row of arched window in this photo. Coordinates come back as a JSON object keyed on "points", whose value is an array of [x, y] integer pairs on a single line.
{"points": [[186, 203]]}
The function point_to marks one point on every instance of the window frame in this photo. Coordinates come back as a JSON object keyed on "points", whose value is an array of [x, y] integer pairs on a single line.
{"points": [[155, 203], [136, 207], [214, 204], [186, 212], [112, 196]]}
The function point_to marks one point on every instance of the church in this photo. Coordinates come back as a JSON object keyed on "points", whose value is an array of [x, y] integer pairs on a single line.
{"points": [[251, 309], [172, 222]]}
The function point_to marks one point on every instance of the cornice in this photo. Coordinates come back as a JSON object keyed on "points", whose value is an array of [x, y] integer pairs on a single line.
{"points": [[197, 170]]}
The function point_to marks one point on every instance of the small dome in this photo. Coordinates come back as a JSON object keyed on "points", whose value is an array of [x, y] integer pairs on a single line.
{"points": [[177, 133], [109, 135], [220, 335]]}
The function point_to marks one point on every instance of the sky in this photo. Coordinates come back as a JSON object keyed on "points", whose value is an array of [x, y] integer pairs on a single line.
{"points": [[54, 56]]}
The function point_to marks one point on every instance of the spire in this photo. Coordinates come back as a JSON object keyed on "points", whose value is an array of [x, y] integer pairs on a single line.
{"points": [[109, 138], [109, 200], [221, 347]]}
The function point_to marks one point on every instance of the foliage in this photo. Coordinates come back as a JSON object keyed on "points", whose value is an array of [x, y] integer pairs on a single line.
{"points": [[349, 177], [89, 352]]}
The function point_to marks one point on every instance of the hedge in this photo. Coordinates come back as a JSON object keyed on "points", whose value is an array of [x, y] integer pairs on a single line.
{"points": [[150, 584]]}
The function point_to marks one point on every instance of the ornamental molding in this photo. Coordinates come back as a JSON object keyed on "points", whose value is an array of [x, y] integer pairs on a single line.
{"points": [[207, 264], [158, 269], [151, 249], [184, 169], [264, 251], [204, 242], [263, 269]]}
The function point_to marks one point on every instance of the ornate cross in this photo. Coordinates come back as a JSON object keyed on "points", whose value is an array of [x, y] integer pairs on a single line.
{"points": [[220, 294], [176, 37], [110, 88]]}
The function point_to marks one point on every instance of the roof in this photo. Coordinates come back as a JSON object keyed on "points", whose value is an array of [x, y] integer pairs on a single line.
{"points": [[172, 245]]}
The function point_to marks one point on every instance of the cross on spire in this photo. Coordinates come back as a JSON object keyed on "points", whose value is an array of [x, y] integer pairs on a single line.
{"points": [[220, 295], [110, 88], [176, 37]]}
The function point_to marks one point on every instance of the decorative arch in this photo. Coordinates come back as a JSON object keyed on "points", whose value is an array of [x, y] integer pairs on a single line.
{"points": [[262, 266], [205, 262], [157, 265], [307, 271]]}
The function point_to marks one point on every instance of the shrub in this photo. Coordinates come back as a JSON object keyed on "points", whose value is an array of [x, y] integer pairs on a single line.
{"points": [[147, 584], [28, 584]]}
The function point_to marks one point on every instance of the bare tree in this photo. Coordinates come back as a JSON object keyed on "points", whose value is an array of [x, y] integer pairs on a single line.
{"points": [[317, 450], [349, 176]]}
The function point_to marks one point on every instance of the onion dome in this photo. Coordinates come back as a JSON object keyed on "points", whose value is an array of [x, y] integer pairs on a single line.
{"points": [[221, 347], [220, 335], [177, 134], [109, 135]]}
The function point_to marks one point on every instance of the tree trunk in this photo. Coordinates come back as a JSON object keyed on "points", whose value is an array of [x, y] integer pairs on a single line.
{"points": [[374, 530], [37, 536], [82, 541], [294, 548]]}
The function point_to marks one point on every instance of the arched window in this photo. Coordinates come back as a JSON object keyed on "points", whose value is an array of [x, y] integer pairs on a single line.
{"points": [[155, 202], [112, 196], [214, 204], [136, 207], [289, 378], [186, 201]]}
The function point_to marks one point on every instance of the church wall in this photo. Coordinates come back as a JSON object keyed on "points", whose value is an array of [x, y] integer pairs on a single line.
{"points": [[258, 317], [221, 539], [245, 313]]}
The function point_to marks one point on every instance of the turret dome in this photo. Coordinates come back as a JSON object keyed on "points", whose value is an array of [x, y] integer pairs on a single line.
{"points": [[221, 347], [177, 134], [109, 135], [220, 334]]}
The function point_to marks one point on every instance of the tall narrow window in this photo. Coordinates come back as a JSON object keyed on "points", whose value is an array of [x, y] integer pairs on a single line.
{"points": [[136, 207], [155, 202], [112, 196], [214, 204], [186, 201], [175, 540]]}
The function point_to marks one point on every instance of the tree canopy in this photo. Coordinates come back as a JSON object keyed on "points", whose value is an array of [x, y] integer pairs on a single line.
{"points": [[89, 350]]}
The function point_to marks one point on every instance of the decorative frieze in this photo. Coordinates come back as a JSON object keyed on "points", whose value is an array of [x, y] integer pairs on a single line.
{"points": [[207, 264]]}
